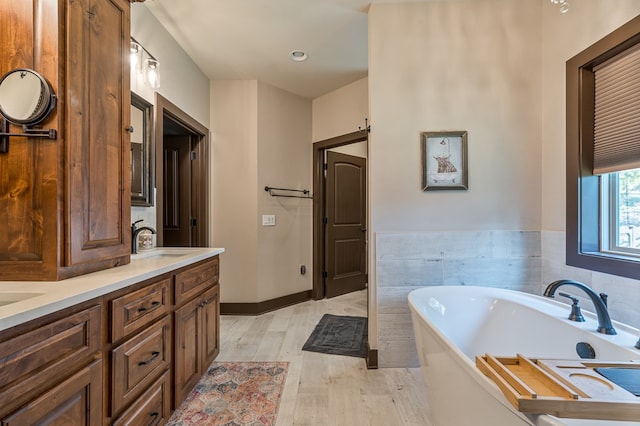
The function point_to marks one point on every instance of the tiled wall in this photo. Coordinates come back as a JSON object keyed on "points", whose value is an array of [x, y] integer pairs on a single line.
{"points": [[624, 293], [519, 260], [406, 261]]}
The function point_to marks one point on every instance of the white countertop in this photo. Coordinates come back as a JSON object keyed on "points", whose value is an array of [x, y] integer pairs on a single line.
{"points": [[45, 297]]}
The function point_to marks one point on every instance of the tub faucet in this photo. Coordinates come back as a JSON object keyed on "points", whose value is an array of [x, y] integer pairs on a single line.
{"points": [[134, 234], [599, 302]]}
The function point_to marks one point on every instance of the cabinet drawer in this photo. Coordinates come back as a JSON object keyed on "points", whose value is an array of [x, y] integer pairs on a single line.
{"points": [[193, 281], [139, 361], [76, 401], [38, 358], [141, 307], [152, 408]]}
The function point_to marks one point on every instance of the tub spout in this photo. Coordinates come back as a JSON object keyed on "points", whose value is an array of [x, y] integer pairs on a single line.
{"points": [[599, 302]]}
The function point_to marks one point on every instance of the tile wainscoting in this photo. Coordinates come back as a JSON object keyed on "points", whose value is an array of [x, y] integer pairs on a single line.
{"points": [[519, 260], [624, 293], [406, 261]]}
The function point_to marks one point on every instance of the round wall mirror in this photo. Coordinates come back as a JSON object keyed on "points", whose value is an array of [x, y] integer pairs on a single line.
{"points": [[25, 97]]}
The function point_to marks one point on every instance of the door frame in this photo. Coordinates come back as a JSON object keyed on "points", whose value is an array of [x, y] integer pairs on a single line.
{"points": [[319, 202], [200, 190]]}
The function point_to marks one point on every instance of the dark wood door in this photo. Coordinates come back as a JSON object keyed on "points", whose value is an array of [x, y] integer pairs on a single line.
{"points": [[346, 214], [177, 191]]}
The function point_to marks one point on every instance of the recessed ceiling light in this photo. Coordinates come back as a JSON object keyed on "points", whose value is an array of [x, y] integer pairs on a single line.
{"points": [[298, 55]]}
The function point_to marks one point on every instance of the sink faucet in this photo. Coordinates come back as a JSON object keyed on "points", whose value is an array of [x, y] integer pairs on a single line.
{"points": [[599, 302], [134, 234]]}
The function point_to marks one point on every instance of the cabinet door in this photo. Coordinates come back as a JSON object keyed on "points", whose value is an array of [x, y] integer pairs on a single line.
{"points": [[29, 171], [98, 193], [76, 401], [187, 350], [210, 336]]}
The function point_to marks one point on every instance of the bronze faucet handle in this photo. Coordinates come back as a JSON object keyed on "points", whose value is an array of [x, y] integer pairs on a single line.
{"points": [[576, 313]]}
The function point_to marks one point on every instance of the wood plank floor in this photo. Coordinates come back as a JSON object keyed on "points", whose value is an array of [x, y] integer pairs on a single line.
{"points": [[324, 389]]}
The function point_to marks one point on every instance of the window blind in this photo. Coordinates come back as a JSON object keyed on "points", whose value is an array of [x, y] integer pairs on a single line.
{"points": [[617, 113]]}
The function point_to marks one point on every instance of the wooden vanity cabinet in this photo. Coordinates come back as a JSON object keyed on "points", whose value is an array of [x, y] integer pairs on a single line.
{"points": [[67, 209], [140, 330], [76, 401], [152, 408], [97, 144], [196, 326], [127, 358], [52, 370]]}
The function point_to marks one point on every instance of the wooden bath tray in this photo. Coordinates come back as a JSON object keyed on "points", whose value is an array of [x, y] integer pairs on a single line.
{"points": [[564, 388]]}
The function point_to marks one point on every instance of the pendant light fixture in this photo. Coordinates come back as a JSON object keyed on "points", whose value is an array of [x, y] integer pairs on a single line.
{"points": [[564, 5], [143, 62]]}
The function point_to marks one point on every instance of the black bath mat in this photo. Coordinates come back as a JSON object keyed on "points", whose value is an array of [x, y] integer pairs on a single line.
{"points": [[339, 335]]}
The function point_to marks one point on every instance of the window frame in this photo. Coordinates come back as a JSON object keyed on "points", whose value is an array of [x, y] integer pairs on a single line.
{"points": [[584, 248], [610, 185]]}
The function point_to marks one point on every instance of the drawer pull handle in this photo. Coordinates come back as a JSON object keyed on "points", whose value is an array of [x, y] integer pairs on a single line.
{"points": [[150, 308], [154, 355], [154, 417]]}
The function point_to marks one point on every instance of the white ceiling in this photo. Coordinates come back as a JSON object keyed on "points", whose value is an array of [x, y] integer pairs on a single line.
{"points": [[252, 39]]}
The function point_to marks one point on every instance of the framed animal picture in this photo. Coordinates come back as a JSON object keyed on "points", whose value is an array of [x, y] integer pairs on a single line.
{"points": [[444, 160]]}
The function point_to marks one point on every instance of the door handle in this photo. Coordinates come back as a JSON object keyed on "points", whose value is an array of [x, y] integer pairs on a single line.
{"points": [[364, 229]]}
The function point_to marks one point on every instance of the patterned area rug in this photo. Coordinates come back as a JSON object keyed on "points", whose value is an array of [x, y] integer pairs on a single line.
{"points": [[234, 394]]}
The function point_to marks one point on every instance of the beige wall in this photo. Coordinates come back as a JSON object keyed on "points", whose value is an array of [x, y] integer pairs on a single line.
{"points": [[260, 137], [234, 186], [564, 36], [495, 68], [471, 66], [181, 81], [466, 65], [341, 112], [358, 149], [284, 161]]}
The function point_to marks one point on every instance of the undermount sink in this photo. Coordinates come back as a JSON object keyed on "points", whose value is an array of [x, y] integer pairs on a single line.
{"points": [[159, 252], [7, 298]]}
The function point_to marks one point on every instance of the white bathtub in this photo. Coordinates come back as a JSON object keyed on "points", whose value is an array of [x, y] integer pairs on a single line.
{"points": [[453, 324]]}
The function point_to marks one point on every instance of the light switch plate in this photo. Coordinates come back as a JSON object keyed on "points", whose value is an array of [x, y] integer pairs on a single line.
{"points": [[268, 220]]}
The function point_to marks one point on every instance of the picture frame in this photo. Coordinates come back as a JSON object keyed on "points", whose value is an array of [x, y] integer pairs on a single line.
{"points": [[444, 161]]}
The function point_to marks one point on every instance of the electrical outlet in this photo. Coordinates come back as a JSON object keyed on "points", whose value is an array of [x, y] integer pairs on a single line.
{"points": [[268, 220]]}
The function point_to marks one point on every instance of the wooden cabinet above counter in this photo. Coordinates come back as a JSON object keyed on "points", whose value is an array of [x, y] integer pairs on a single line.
{"points": [[112, 341], [65, 202]]}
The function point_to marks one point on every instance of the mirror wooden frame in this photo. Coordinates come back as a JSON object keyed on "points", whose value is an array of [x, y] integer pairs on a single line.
{"points": [[142, 164]]}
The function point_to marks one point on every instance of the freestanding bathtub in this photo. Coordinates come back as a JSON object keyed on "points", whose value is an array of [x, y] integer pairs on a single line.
{"points": [[453, 324]]}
